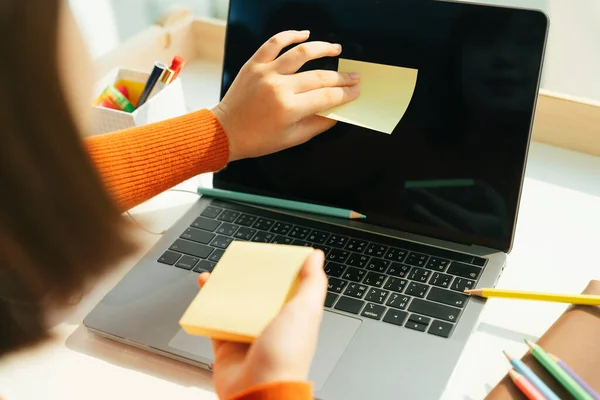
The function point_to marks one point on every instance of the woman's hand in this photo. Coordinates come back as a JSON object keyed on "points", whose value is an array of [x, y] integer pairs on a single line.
{"points": [[269, 107], [285, 349]]}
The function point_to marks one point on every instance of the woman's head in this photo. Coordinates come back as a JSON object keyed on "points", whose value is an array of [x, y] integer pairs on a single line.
{"points": [[59, 229]]}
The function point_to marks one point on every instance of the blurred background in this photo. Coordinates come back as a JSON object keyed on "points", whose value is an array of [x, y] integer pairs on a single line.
{"points": [[572, 65]]}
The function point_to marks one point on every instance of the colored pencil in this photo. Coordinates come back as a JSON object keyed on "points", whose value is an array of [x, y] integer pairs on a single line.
{"points": [[576, 377], [279, 203], [558, 373], [581, 299], [526, 387], [524, 370]]}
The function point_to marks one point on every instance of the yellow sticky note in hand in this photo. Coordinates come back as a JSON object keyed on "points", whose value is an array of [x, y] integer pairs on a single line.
{"points": [[246, 290], [385, 94]]}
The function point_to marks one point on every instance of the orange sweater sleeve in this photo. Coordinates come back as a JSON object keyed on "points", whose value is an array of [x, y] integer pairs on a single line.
{"points": [[139, 163], [277, 391]]}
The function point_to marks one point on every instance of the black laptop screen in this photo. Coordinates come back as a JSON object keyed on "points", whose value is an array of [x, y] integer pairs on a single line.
{"points": [[453, 167]]}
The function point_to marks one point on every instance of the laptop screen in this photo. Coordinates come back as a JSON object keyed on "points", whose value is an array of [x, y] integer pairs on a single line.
{"points": [[452, 167]]}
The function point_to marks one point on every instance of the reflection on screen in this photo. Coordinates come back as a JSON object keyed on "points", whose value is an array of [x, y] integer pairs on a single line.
{"points": [[452, 167]]}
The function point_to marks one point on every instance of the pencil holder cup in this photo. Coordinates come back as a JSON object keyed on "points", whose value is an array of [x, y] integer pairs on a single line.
{"points": [[165, 102]]}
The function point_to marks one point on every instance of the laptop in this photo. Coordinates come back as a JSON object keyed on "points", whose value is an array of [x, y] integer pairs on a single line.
{"points": [[441, 195]]}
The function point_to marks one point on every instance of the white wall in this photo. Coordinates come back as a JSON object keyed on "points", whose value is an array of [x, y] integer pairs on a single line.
{"points": [[98, 23]]}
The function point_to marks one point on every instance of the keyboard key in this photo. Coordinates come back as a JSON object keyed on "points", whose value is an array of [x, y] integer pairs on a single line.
{"points": [[440, 328], [374, 311], [330, 299], [461, 284], [377, 264], [398, 301], [417, 259], [395, 317], [377, 295], [324, 248], [334, 269], [279, 239], [198, 236], [206, 224], [337, 241], [447, 297], [434, 310], [169, 258], [417, 289], [355, 290], [187, 262], [298, 232], [419, 319], [441, 280], [191, 248], [395, 284], [263, 237], [354, 274], [376, 250], [479, 261], [221, 242], [399, 270], [245, 233], [358, 260], [349, 305], [419, 274], [303, 243], [318, 237], [211, 212], [336, 285], [356, 245], [437, 264], [216, 255], [281, 228], [227, 229], [374, 279], [245, 220], [397, 255], [228, 216], [416, 326], [464, 270], [338, 255], [264, 224], [205, 266]]}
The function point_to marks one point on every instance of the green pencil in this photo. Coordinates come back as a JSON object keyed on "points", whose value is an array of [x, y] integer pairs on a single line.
{"points": [[558, 372], [280, 203]]}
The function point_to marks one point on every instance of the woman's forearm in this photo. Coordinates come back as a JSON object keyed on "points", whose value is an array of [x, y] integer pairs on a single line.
{"points": [[138, 163]]}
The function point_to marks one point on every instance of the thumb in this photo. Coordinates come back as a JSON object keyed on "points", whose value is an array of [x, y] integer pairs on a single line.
{"points": [[312, 289], [310, 127]]}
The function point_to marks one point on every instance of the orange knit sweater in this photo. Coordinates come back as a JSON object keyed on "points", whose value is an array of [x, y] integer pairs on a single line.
{"points": [[139, 163]]}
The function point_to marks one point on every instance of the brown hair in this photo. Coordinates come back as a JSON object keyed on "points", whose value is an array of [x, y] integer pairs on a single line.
{"points": [[59, 228]]}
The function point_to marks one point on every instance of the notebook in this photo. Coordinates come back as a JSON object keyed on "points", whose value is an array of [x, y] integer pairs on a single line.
{"points": [[573, 338], [247, 289]]}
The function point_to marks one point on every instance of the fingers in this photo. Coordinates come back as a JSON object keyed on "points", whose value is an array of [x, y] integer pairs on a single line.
{"points": [[292, 60], [311, 80], [319, 100], [202, 278], [311, 292], [272, 47]]}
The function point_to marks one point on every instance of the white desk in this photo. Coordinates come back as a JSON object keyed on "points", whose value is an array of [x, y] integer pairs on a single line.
{"points": [[558, 230]]}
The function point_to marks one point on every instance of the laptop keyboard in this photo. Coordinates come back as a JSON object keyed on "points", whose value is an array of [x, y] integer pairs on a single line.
{"points": [[398, 282]]}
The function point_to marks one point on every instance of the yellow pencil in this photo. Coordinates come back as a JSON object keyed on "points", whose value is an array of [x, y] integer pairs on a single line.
{"points": [[580, 299]]}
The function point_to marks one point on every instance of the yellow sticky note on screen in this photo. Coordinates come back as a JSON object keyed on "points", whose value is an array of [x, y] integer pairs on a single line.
{"points": [[385, 94], [246, 290]]}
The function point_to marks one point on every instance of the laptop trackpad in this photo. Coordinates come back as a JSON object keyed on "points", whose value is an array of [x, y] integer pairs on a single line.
{"points": [[336, 333]]}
